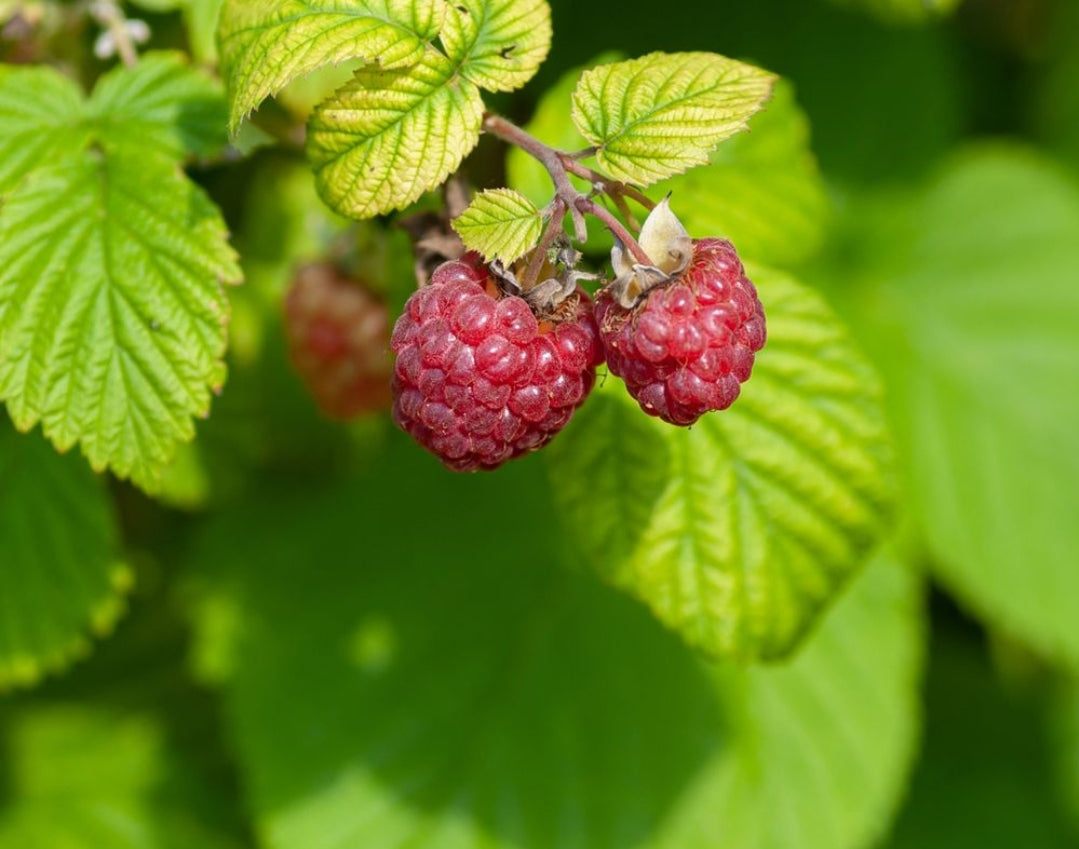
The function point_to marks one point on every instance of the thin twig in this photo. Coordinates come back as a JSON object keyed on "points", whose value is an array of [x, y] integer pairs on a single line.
{"points": [[553, 231], [588, 205], [559, 165], [109, 14]]}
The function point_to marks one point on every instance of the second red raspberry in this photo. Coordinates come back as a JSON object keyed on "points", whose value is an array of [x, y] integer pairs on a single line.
{"points": [[687, 347]]}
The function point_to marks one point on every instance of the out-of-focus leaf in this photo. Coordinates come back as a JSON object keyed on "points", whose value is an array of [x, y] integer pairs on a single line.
{"points": [[123, 753], [461, 689], [739, 531], [967, 297], [906, 11], [984, 778], [61, 577], [1066, 750]]}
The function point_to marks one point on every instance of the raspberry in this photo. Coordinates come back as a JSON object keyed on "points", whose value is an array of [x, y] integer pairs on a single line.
{"points": [[687, 343], [478, 378], [338, 341]]}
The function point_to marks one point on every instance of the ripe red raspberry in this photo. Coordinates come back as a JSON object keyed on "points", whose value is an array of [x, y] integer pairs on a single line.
{"points": [[688, 345], [479, 379], [338, 340]]}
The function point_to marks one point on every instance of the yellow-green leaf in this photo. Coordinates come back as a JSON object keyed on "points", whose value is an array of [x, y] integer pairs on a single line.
{"points": [[500, 224], [265, 44], [762, 189], [659, 115], [499, 44], [739, 531], [388, 136]]}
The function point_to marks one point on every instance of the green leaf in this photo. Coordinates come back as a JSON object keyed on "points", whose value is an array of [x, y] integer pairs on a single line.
{"points": [[498, 44], [1056, 98], [500, 224], [115, 769], [112, 315], [984, 777], [762, 190], [265, 45], [388, 136], [1065, 729], [475, 694], [62, 579], [738, 531], [905, 11], [37, 129], [967, 297], [201, 17], [657, 116], [161, 103], [123, 753]]}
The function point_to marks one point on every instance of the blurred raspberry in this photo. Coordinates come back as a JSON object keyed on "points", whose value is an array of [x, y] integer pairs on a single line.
{"points": [[338, 340]]}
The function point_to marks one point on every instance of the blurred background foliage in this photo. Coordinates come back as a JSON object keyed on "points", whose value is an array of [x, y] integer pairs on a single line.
{"points": [[330, 642]]}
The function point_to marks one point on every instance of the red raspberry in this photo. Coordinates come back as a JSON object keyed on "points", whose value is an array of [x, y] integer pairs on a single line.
{"points": [[479, 379], [338, 340], [688, 345]]}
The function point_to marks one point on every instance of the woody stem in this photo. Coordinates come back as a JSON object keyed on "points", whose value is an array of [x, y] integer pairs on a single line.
{"points": [[558, 165]]}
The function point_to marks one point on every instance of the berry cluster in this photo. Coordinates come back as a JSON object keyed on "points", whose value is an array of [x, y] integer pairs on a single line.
{"points": [[480, 379], [486, 371]]}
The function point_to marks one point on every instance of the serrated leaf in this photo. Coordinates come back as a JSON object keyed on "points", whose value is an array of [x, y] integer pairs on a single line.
{"points": [[388, 136], [499, 44], [739, 531], [500, 224], [160, 103], [762, 189], [451, 701], [966, 295], [62, 579], [112, 315], [36, 129], [265, 45], [659, 115], [904, 10]]}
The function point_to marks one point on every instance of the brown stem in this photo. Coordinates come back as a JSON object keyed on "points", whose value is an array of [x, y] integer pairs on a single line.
{"points": [[588, 205], [553, 231], [608, 187], [559, 165]]}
